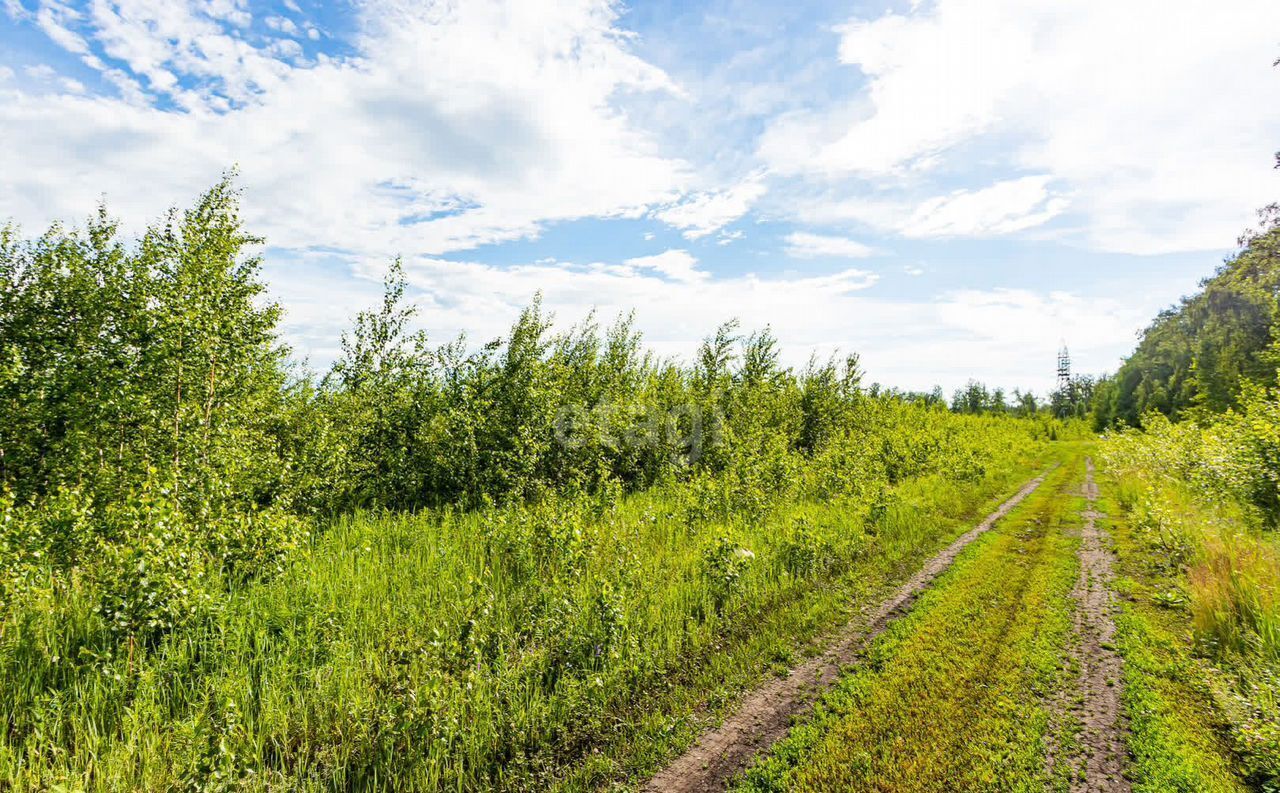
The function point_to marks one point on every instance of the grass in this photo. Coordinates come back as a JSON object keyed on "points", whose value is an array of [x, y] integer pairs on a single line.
{"points": [[952, 696], [572, 645], [1203, 615], [1178, 738]]}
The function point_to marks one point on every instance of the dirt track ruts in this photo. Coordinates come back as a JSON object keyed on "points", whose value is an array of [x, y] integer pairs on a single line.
{"points": [[1099, 686], [764, 715]]}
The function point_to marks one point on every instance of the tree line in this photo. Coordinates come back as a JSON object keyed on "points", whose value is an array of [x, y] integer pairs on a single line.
{"points": [[156, 432], [161, 363], [1201, 354], [1198, 357]]}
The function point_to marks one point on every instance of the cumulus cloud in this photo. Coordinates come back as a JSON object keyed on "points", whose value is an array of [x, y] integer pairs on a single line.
{"points": [[675, 305], [439, 127], [282, 24], [705, 213], [1005, 207], [678, 265], [1003, 336], [1122, 105], [454, 126]]}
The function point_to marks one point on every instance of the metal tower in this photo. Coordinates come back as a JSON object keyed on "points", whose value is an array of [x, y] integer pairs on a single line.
{"points": [[1064, 370]]}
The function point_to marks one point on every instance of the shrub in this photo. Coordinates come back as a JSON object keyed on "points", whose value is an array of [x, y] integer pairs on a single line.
{"points": [[153, 575], [254, 543], [1203, 495], [723, 565], [805, 549]]}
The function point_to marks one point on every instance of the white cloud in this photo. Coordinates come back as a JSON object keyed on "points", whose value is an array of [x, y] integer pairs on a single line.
{"points": [[15, 9], [282, 24], [54, 21], [455, 126], [44, 75], [1018, 330], [674, 313], [163, 42], [1004, 337], [676, 264], [1005, 207], [1157, 120], [803, 245], [1128, 126], [1022, 316], [41, 71], [285, 49], [1002, 208], [704, 213]]}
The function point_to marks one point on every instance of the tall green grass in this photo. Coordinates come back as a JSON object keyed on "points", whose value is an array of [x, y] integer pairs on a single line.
{"points": [[1198, 502], [565, 643], [1178, 739]]}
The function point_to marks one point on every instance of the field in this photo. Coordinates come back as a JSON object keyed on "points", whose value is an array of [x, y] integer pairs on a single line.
{"points": [[555, 561], [510, 647], [955, 692]]}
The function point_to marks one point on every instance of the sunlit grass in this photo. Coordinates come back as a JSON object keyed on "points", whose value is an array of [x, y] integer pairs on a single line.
{"points": [[566, 644], [1211, 568], [952, 696], [1176, 734]]}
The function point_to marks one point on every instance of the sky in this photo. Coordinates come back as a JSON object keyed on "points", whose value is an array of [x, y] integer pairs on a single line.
{"points": [[952, 189]]}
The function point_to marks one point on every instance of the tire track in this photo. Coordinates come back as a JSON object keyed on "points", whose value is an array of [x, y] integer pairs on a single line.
{"points": [[765, 714], [1099, 687]]}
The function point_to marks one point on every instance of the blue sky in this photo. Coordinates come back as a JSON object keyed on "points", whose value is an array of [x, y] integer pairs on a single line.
{"points": [[949, 188]]}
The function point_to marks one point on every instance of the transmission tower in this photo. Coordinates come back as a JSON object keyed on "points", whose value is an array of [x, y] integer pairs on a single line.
{"points": [[1064, 370]]}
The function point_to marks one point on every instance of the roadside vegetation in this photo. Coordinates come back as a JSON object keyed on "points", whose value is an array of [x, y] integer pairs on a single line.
{"points": [[1198, 506], [1194, 468], [1178, 739], [537, 561], [953, 695], [550, 559]]}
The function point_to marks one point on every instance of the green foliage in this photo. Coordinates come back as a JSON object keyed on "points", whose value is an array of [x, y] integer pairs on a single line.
{"points": [[161, 358], [1234, 457], [255, 542], [1201, 503], [723, 564], [951, 696], [1076, 399], [1201, 489], [977, 399], [476, 649], [152, 573], [1176, 734], [807, 551], [144, 394], [205, 578], [1201, 353]]}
